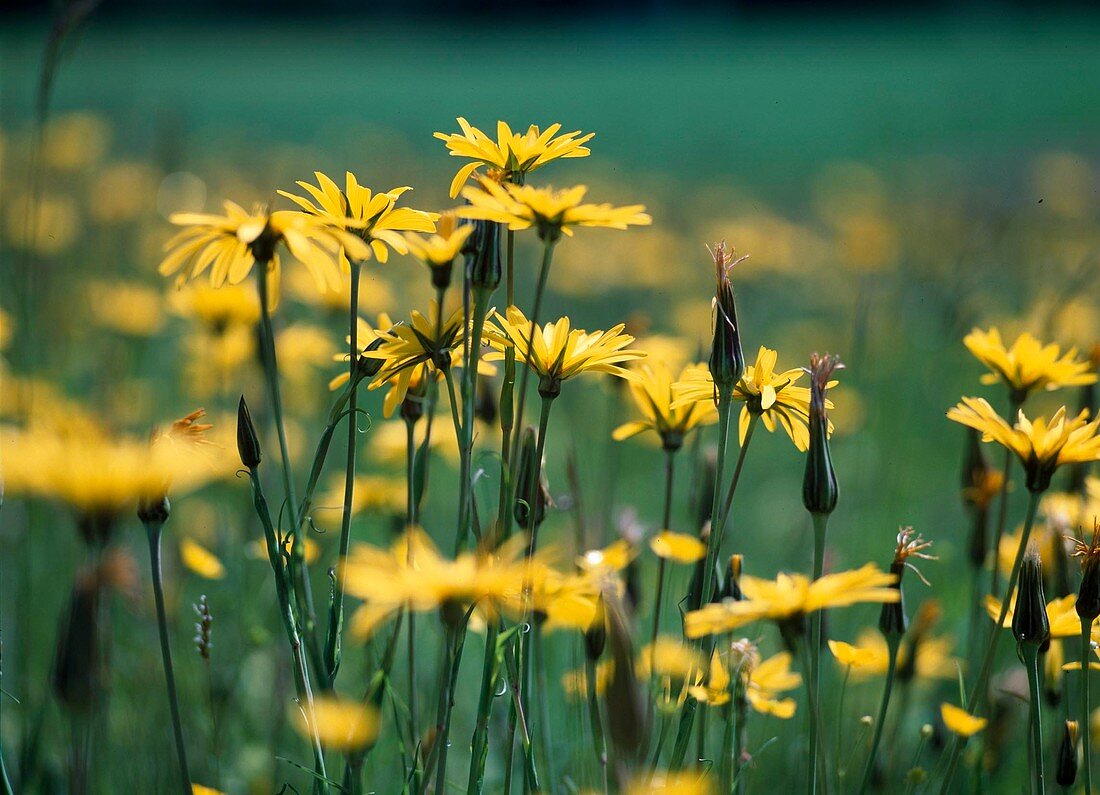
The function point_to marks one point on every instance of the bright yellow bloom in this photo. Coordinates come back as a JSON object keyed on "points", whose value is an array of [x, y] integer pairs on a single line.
{"points": [[373, 217], [677, 547], [557, 352], [652, 390], [514, 154], [228, 245], [552, 212], [218, 309], [1042, 445], [1027, 365], [791, 596], [341, 724], [441, 249], [870, 656], [200, 560], [766, 394], [854, 656], [716, 690], [199, 789], [666, 782], [129, 308], [961, 722], [413, 573], [615, 557], [768, 678], [668, 658]]}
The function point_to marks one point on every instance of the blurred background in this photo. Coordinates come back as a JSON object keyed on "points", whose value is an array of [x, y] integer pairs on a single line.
{"points": [[896, 176]]}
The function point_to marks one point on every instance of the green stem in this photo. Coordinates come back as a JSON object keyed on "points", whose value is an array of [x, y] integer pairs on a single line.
{"points": [[740, 718], [1086, 713], [869, 769], [507, 400], [456, 638], [1030, 654], [480, 741], [840, 770], [336, 616], [469, 399], [753, 419], [658, 599], [815, 715], [1002, 518], [411, 518], [153, 529], [821, 524], [599, 742], [978, 692], [542, 690], [714, 540]]}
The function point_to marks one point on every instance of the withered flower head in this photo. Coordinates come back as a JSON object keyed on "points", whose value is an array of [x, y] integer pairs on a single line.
{"points": [[893, 620]]}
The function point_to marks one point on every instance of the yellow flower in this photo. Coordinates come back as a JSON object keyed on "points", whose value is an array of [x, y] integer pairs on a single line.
{"points": [[374, 217], [132, 309], [1042, 445], [413, 573], [716, 690], [766, 394], [199, 789], [870, 656], [218, 309], [551, 212], [229, 245], [515, 154], [200, 560], [557, 352], [615, 557], [765, 679], [373, 493], [678, 547], [666, 782], [791, 596], [1061, 614], [652, 392], [1027, 365], [855, 656], [258, 549], [440, 250], [668, 658], [575, 683], [961, 722], [341, 724]]}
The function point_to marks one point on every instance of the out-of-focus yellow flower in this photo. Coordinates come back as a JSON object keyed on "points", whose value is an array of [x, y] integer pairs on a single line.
{"points": [[677, 547], [7, 329], [376, 294], [75, 142], [341, 724], [652, 391], [258, 549], [615, 557], [551, 212], [373, 494], [716, 690], [200, 560], [412, 573], [575, 683], [217, 308], [1042, 445], [372, 216], [1042, 538], [215, 361], [49, 226], [303, 348], [515, 154], [668, 658], [791, 596], [961, 722], [867, 243], [857, 657], [766, 679], [440, 249], [558, 352], [767, 394], [132, 309], [1027, 365], [122, 192], [870, 656], [1061, 614], [228, 245], [199, 789], [670, 783]]}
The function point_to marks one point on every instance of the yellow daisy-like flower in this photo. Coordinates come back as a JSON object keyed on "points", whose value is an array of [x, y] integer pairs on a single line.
{"points": [[961, 722], [558, 352], [217, 309], [765, 680], [653, 393], [677, 547], [200, 560], [551, 212], [870, 656], [229, 245], [1028, 365], [665, 782], [441, 249], [373, 217], [766, 394], [341, 724], [515, 154], [412, 573], [1042, 445], [790, 597], [857, 657], [716, 690]]}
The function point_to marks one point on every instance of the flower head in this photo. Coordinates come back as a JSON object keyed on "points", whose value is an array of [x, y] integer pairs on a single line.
{"points": [[1027, 365], [1042, 445], [677, 547], [552, 212], [514, 154], [652, 392], [727, 359], [961, 722], [440, 249]]}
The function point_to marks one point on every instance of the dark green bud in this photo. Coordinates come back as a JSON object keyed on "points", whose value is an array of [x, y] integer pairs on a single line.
{"points": [[595, 637], [483, 260], [727, 360], [1030, 624], [893, 621], [368, 366], [819, 487], [1088, 597], [732, 588], [248, 444], [1066, 771], [154, 511]]}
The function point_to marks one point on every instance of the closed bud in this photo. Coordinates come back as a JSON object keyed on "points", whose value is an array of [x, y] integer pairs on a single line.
{"points": [[532, 493], [893, 620], [1088, 597], [154, 511], [1066, 772], [1030, 624], [483, 261], [595, 637], [368, 366], [727, 360], [733, 579], [248, 444], [486, 406], [819, 487]]}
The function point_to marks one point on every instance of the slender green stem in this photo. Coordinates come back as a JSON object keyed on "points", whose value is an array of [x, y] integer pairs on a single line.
{"points": [[507, 398], [714, 541], [469, 399], [542, 691], [449, 378], [728, 503], [869, 768], [740, 719], [821, 524], [725, 768], [153, 529], [480, 741], [1030, 654], [1002, 518], [840, 770], [599, 743], [336, 618], [978, 692], [455, 640], [1086, 713], [815, 716], [658, 599], [411, 518]]}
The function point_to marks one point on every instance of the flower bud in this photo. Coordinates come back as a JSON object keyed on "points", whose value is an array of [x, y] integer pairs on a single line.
{"points": [[367, 366], [727, 360], [154, 511], [532, 494], [483, 256], [893, 620], [819, 487], [595, 637], [248, 444], [1066, 772], [1030, 624], [1088, 597], [733, 579]]}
